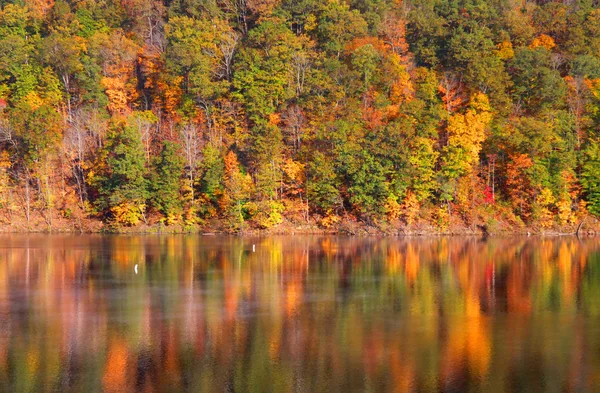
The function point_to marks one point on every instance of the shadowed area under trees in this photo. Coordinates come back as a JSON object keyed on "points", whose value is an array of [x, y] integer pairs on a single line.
{"points": [[254, 114]]}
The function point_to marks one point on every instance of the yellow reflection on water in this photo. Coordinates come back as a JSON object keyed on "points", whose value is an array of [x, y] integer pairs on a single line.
{"points": [[307, 314]]}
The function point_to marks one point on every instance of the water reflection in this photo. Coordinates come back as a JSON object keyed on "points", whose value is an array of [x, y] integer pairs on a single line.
{"points": [[301, 314]]}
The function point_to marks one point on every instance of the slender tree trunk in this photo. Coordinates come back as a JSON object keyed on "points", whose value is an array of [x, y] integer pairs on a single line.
{"points": [[27, 199], [48, 200]]}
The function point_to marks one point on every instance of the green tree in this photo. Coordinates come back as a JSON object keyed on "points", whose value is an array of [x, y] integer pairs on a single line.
{"points": [[38, 130], [196, 50], [122, 184], [237, 190], [166, 182], [366, 60], [322, 184], [263, 73], [591, 176], [337, 25], [368, 188], [536, 83], [213, 171], [267, 156]]}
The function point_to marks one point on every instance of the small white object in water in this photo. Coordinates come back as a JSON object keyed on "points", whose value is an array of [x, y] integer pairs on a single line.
{"points": [[135, 268], [254, 248]]}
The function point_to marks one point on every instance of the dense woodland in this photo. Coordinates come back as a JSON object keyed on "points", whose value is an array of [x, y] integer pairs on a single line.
{"points": [[254, 113]]}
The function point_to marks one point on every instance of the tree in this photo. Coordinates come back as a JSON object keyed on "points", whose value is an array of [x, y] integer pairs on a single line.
{"points": [[5, 181], [82, 138], [518, 185], [368, 186], [337, 25], [237, 189], [122, 184], [213, 171], [62, 51], [366, 59], [263, 73], [116, 55], [191, 143], [256, 110], [145, 124], [267, 159], [536, 84], [148, 21], [17, 43], [201, 51], [591, 176], [466, 133], [166, 182], [322, 184], [38, 130]]}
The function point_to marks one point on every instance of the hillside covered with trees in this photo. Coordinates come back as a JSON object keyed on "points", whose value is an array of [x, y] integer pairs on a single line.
{"points": [[253, 113]]}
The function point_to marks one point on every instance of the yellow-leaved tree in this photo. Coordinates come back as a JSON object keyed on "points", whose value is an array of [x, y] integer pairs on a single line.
{"points": [[466, 133]]}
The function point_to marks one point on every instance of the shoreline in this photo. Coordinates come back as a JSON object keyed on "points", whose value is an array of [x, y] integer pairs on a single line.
{"points": [[351, 229]]}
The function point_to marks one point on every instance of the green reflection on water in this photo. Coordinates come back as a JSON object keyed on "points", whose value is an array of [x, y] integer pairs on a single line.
{"points": [[301, 314]]}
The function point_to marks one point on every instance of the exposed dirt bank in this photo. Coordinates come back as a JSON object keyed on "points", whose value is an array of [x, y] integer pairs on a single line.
{"points": [[590, 226]]}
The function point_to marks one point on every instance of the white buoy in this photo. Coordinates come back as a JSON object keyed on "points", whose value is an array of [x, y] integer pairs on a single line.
{"points": [[254, 248], [135, 268]]}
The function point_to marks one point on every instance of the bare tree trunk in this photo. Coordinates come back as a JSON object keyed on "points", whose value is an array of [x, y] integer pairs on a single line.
{"points": [[27, 199], [48, 198], [191, 146]]}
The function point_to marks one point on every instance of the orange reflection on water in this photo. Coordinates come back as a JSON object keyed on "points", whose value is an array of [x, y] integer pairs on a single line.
{"points": [[309, 314]]}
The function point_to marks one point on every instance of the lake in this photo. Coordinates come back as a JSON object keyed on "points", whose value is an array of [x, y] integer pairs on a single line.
{"points": [[298, 314]]}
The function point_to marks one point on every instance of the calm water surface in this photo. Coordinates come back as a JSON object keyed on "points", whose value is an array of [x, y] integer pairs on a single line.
{"points": [[300, 314]]}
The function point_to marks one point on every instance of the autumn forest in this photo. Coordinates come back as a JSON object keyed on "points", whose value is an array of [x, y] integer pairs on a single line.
{"points": [[254, 114]]}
